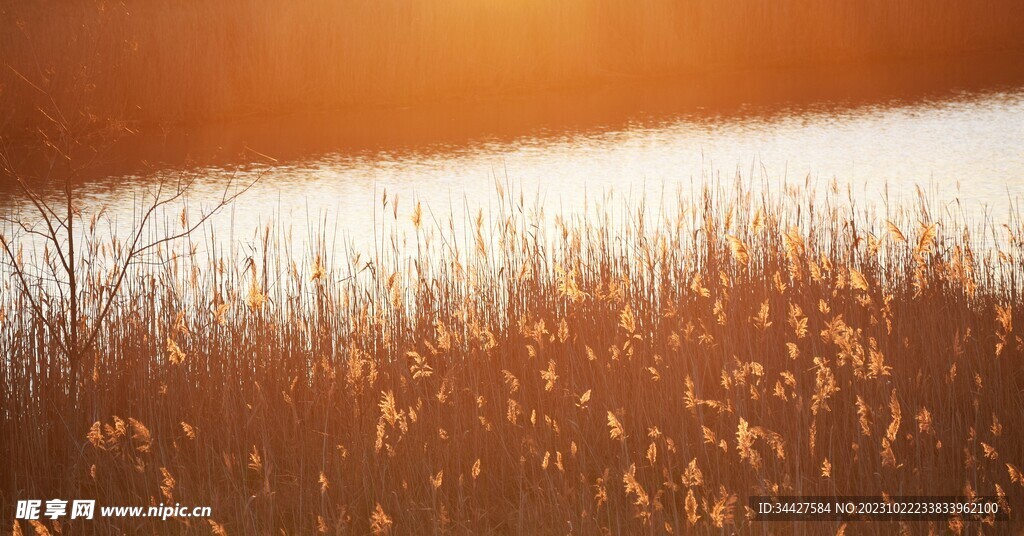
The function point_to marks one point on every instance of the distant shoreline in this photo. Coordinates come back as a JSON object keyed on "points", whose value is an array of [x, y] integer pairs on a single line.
{"points": [[148, 64]]}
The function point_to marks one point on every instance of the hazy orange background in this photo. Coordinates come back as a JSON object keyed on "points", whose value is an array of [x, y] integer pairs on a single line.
{"points": [[168, 62]]}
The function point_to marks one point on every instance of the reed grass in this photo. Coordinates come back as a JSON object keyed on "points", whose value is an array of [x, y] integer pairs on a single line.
{"points": [[628, 370], [169, 62]]}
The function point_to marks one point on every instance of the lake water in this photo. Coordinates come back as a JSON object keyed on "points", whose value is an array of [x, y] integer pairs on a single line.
{"points": [[956, 129]]}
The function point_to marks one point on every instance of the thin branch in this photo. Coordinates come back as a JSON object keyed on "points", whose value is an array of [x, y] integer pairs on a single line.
{"points": [[135, 251], [36, 307]]}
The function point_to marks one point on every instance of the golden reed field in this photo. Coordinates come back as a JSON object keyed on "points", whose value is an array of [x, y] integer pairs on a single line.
{"points": [[624, 369], [639, 370], [164, 62]]}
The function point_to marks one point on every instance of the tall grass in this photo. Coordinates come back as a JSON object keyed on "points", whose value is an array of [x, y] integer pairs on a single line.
{"points": [[160, 61], [627, 371]]}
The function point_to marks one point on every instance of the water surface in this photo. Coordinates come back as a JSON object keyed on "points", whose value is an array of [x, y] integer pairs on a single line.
{"points": [[953, 128]]}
